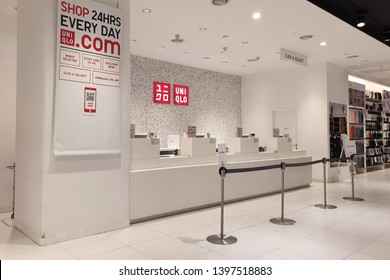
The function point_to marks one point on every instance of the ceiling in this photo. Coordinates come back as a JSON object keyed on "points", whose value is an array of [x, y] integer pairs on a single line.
{"points": [[281, 24]]}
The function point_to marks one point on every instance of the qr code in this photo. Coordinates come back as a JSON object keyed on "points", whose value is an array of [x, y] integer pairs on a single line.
{"points": [[90, 96]]}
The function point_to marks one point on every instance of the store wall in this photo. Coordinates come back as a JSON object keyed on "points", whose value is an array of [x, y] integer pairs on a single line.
{"points": [[214, 100], [7, 106], [69, 197], [303, 89]]}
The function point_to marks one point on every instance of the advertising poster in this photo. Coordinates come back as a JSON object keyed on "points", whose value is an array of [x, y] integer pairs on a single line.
{"points": [[87, 94]]}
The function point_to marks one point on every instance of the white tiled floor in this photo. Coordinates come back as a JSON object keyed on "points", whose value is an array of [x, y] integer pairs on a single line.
{"points": [[353, 231]]}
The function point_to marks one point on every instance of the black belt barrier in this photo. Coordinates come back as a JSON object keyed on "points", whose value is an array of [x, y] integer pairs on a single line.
{"points": [[221, 239]]}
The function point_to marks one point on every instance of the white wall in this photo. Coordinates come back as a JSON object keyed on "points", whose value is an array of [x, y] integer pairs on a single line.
{"points": [[300, 88], [7, 107], [60, 199]]}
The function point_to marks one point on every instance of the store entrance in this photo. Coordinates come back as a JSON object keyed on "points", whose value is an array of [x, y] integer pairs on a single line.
{"points": [[286, 121]]}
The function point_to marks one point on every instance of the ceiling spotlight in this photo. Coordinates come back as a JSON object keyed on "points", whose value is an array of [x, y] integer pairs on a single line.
{"points": [[387, 36], [361, 20], [160, 47], [219, 2], [177, 39], [146, 11], [133, 41], [224, 62], [323, 44], [256, 15], [184, 53]]}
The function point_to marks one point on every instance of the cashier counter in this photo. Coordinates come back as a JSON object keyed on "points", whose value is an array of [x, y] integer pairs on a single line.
{"points": [[165, 185]]}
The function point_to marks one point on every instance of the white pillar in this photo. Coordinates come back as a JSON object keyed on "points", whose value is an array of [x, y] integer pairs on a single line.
{"points": [[62, 198]]}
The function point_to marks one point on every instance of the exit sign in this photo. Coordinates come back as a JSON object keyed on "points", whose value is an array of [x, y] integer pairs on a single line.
{"points": [[180, 95]]}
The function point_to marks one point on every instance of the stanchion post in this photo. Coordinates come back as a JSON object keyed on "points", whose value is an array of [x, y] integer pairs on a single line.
{"points": [[282, 220], [221, 239], [325, 205], [352, 169]]}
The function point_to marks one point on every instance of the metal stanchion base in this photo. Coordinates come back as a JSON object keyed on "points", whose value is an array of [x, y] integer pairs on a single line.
{"points": [[327, 206], [285, 221], [353, 198], [218, 240]]}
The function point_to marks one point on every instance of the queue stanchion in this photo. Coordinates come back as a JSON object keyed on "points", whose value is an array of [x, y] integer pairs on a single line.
{"points": [[222, 239], [325, 205], [282, 220], [353, 198]]}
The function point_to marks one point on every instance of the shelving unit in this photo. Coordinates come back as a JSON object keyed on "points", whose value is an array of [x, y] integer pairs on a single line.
{"points": [[356, 125], [337, 126], [386, 139]]}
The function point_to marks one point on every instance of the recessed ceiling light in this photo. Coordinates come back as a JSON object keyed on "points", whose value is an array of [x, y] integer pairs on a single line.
{"points": [[133, 41], [202, 28], [361, 20], [306, 37], [353, 56], [206, 57], [256, 15], [146, 11], [160, 47], [184, 53], [323, 44], [245, 42], [386, 36], [225, 62]]}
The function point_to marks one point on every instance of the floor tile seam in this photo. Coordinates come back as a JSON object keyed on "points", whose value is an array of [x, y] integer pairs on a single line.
{"points": [[369, 254], [144, 241], [29, 251]]}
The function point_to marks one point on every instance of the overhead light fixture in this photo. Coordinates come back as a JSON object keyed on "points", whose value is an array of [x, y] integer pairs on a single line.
{"points": [[219, 2], [306, 37], [146, 11], [160, 47], [323, 44], [386, 36], [133, 41], [177, 39], [206, 57], [353, 56], [184, 53], [225, 62], [256, 15], [361, 20]]}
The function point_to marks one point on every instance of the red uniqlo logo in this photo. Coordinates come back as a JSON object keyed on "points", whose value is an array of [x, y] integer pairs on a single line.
{"points": [[67, 37], [162, 93], [180, 95]]}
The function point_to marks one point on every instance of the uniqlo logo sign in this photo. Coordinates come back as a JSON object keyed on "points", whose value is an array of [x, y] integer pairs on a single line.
{"points": [[181, 95], [67, 37], [162, 93]]}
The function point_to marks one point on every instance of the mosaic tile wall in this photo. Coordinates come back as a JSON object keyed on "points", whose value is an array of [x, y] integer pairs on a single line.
{"points": [[214, 100]]}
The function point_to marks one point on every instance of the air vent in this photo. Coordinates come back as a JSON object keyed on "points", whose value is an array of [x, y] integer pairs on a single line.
{"points": [[306, 37], [353, 56], [219, 2], [254, 59], [177, 39]]}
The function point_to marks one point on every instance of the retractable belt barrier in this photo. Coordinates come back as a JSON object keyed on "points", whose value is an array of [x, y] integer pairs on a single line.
{"points": [[222, 239]]}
